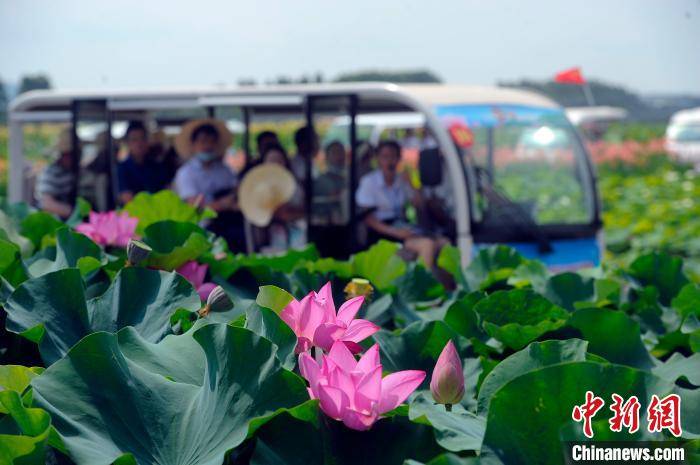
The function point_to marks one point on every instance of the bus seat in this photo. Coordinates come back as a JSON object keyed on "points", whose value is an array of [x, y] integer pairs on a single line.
{"points": [[430, 167]]}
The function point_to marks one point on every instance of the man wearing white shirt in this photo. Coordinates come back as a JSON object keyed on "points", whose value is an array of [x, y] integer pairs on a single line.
{"points": [[387, 193]]}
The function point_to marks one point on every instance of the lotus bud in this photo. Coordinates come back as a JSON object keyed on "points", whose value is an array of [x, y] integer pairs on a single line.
{"points": [[218, 301], [447, 383], [359, 287], [136, 252]]}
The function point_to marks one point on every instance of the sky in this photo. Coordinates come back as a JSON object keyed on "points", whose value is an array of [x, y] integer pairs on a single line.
{"points": [[651, 46]]}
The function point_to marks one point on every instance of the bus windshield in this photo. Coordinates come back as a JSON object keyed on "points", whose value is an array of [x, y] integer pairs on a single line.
{"points": [[525, 161]]}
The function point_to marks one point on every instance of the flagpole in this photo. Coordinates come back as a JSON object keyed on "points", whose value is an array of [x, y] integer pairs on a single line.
{"points": [[588, 94]]}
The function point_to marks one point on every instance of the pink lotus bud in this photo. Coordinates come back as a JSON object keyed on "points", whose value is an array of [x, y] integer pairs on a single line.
{"points": [[447, 383]]}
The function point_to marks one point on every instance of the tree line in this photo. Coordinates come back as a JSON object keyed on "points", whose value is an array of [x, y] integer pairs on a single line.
{"points": [[26, 83]]}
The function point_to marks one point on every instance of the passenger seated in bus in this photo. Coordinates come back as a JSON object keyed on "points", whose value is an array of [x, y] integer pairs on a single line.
{"points": [[331, 185], [206, 180], [294, 209], [55, 188], [266, 139], [142, 170], [307, 144], [364, 158], [284, 231], [385, 193]]}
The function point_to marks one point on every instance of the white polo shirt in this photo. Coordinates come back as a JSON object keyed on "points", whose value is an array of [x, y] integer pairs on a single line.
{"points": [[390, 200], [193, 178]]}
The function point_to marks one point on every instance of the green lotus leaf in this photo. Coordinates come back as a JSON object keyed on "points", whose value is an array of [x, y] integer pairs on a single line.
{"points": [[530, 273], [10, 232], [174, 243], [166, 421], [161, 206], [679, 366], [418, 285], [287, 440], [452, 459], [565, 289], [491, 265], [16, 378], [456, 430], [37, 226], [528, 417], [518, 317], [72, 250], [417, 346], [687, 302], [285, 262], [461, 317], [12, 267], [24, 432], [450, 260], [662, 271], [534, 356], [274, 298], [268, 324], [53, 312], [380, 265], [612, 335]]}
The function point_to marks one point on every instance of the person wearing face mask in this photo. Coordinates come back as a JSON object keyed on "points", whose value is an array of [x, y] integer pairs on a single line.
{"points": [[205, 180]]}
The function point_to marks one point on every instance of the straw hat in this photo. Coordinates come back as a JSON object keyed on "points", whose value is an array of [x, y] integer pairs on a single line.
{"points": [[183, 141], [263, 190]]}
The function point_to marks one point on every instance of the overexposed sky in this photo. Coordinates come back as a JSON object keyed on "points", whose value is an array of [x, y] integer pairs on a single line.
{"points": [[646, 45]]}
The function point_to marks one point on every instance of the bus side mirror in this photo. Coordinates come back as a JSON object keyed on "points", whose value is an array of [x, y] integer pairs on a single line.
{"points": [[430, 167]]}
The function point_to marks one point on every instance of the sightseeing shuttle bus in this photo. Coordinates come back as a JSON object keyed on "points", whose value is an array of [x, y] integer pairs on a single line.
{"points": [[503, 165]]}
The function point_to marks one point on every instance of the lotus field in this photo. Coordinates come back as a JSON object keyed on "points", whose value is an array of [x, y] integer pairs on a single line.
{"points": [[136, 337]]}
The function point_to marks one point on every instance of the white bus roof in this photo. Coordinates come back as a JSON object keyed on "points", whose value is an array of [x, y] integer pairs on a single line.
{"points": [[379, 97], [385, 120], [578, 115], [689, 116]]}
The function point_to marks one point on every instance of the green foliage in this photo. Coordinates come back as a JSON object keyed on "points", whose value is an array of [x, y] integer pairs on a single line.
{"points": [[456, 430], [174, 243], [198, 423], [417, 76], [161, 206], [24, 431], [72, 250], [52, 310], [533, 357], [518, 317], [651, 207], [379, 264], [527, 416], [135, 374]]}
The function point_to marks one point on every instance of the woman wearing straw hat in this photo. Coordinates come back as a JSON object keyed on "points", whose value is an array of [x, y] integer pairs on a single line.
{"points": [[206, 180], [273, 202], [55, 189]]}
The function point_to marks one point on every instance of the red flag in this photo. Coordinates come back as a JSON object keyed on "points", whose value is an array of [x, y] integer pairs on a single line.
{"points": [[570, 76]]}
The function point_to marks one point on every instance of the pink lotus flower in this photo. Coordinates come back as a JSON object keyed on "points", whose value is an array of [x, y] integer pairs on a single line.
{"points": [[352, 391], [447, 383], [315, 322], [195, 273], [109, 228]]}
